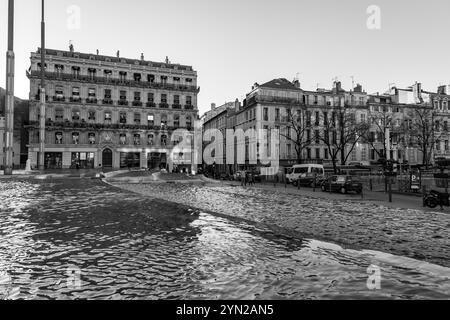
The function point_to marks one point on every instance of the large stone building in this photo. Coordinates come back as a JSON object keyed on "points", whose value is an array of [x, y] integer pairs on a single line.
{"points": [[387, 121], [111, 112]]}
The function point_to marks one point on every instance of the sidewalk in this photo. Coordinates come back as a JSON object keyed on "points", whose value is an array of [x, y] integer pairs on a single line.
{"points": [[398, 200]]}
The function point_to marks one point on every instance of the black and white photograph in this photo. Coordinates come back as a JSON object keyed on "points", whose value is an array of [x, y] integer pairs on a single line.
{"points": [[238, 152]]}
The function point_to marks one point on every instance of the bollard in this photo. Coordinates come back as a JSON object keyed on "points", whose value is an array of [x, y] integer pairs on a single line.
{"points": [[390, 189], [424, 195]]}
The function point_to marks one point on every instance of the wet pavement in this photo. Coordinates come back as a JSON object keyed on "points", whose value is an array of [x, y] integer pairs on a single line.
{"points": [[83, 239]]}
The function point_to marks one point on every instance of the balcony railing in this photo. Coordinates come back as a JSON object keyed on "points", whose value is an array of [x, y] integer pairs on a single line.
{"points": [[91, 100], [150, 105], [122, 103], [137, 103], [114, 81], [176, 106], [60, 99], [163, 105], [189, 107], [107, 101]]}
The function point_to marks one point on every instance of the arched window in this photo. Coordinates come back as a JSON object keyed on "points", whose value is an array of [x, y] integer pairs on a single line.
{"points": [[445, 105]]}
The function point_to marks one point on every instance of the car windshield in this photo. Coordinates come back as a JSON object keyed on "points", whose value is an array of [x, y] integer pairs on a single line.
{"points": [[341, 179]]}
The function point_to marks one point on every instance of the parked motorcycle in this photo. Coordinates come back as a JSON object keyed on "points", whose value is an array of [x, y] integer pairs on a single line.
{"points": [[435, 198]]}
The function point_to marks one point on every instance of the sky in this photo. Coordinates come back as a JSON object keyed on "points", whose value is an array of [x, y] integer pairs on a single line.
{"points": [[234, 43]]}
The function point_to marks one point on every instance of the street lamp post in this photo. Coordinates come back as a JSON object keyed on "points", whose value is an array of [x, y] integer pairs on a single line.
{"points": [[9, 92], [43, 95]]}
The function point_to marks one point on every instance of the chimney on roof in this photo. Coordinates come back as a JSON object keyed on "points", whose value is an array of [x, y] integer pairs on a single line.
{"points": [[237, 105], [296, 83], [337, 87], [142, 57], [358, 88], [213, 106], [444, 89]]}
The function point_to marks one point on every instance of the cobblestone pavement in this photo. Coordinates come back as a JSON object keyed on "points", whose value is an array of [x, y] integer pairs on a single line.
{"points": [[417, 234], [84, 239]]}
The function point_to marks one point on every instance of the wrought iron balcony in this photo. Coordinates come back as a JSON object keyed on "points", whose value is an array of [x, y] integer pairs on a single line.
{"points": [[189, 107], [91, 100], [122, 103], [150, 105], [107, 101], [137, 103], [163, 105], [60, 99], [176, 106]]}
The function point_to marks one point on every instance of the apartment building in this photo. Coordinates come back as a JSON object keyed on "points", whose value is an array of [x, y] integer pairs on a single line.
{"points": [[111, 112]]}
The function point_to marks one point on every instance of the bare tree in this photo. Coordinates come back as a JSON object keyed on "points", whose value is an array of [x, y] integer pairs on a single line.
{"points": [[340, 134], [381, 124], [296, 119], [425, 131]]}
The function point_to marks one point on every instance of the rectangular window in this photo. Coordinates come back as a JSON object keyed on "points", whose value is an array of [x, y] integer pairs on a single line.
{"points": [[317, 136], [123, 95], [137, 96], [107, 93], [123, 118], [75, 115], [189, 101], [91, 115], [151, 119], [164, 98], [137, 118], [151, 97], [277, 115], [266, 114], [59, 115], [108, 116], [317, 153]]}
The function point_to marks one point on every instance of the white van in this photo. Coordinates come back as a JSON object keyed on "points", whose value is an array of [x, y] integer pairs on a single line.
{"points": [[303, 170]]}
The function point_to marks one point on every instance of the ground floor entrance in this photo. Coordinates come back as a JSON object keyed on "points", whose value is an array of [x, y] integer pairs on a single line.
{"points": [[53, 160], [107, 158], [157, 160]]}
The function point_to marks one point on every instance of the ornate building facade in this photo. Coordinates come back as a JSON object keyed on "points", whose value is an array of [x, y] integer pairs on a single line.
{"points": [[111, 112]]}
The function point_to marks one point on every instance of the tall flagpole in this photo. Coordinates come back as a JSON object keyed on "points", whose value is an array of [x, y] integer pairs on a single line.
{"points": [[10, 92], [43, 95]]}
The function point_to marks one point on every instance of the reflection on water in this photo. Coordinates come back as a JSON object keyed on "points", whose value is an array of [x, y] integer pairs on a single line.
{"points": [[86, 240]]}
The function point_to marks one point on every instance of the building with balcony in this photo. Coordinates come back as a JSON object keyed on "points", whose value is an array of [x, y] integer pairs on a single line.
{"points": [[111, 112]]}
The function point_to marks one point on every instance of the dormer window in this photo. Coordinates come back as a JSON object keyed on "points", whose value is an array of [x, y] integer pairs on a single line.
{"points": [[151, 78], [163, 79], [59, 69], [137, 77]]}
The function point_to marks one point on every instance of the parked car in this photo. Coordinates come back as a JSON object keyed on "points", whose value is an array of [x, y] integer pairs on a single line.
{"points": [[342, 184], [309, 180], [301, 170], [238, 175]]}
